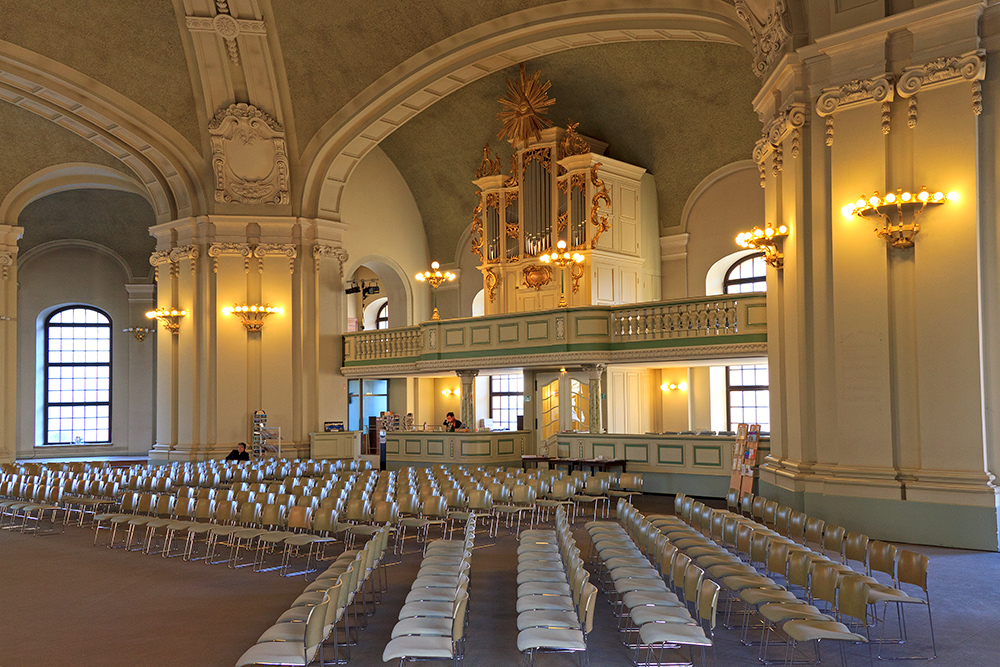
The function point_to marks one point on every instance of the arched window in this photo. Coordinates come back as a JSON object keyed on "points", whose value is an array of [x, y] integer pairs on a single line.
{"points": [[747, 275], [77, 377], [747, 386], [382, 316]]}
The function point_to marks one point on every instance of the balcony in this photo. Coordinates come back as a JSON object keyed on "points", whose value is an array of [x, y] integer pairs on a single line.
{"points": [[677, 330]]}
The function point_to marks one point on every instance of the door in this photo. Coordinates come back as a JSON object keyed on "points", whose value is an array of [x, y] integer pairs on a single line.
{"points": [[564, 399]]}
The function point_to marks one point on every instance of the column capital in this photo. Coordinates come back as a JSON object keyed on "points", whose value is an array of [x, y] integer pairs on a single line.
{"points": [[596, 371], [467, 375]]}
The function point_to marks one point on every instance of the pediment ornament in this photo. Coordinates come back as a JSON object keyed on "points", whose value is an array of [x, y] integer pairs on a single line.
{"points": [[767, 23]]}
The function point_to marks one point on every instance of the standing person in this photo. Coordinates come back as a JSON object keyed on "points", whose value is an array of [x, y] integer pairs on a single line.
{"points": [[450, 423], [239, 454]]}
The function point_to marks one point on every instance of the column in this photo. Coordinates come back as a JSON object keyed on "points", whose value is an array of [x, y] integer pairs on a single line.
{"points": [[468, 409], [596, 373], [9, 236]]}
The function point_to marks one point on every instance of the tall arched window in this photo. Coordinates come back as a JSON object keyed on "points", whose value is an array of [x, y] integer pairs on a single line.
{"points": [[77, 377], [382, 316], [747, 395], [747, 275]]}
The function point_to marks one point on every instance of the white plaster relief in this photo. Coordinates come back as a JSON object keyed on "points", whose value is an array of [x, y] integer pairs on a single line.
{"points": [[768, 28], [321, 251], [248, 156], [859, 91], [969, 66]]}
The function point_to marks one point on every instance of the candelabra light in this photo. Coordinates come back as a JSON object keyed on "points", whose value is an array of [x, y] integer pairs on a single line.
{"points": [[674, 386], [562, 258], [169, 318], [253, 316], [140, 333], [435, 277], [765, 240], [451, 392], [896, 213]]}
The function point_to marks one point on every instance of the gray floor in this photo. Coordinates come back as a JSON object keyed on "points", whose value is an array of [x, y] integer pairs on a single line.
{"points": [[68, 602]]}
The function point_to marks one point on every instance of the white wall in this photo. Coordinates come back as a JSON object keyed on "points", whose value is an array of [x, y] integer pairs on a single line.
{"points": [[81, 274], [384, 225]]}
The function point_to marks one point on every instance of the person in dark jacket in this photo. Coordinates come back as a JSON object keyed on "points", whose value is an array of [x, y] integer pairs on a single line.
{"points": [[239, 454]]}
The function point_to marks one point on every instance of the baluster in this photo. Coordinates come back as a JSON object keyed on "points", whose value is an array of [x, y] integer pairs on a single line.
{"points": [[731, 316]]}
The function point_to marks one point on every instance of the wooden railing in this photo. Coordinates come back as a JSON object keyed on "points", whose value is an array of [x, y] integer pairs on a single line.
{"points": [[711, 317], [386, 343]]}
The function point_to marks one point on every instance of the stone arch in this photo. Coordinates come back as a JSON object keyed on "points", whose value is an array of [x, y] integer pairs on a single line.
{"points": [[332, 154], [67, 176], [394, 282], [164, 161], [39, 251]]}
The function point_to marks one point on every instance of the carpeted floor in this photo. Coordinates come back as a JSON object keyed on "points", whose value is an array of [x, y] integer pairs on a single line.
{"points": [[65, 601]]}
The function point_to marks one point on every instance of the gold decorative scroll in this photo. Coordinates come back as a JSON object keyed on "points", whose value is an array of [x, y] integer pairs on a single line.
{"points": [[489, 167], [602, 195], [540, 154], [492, 200], [573, 143], [576, 272], [510, 198], [524, 108], [578, 182], [563, 221], [512, 181], [477, 229], [492, 280], [537, 275], [513, 229], [563, 185]]}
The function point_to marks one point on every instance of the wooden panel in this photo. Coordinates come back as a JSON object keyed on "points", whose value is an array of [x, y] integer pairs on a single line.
{"points": [[538, 330], [709, 456], [454, 337], [508, 333], [605, 450], [670, 454], [412, 446], [435, 447], [505, 446], [629, 286], [605, 284], [480, 335], [637, 453], [475, 448]]}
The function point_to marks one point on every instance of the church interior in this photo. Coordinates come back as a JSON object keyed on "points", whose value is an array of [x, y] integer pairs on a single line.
{"points": [[605, 235]]}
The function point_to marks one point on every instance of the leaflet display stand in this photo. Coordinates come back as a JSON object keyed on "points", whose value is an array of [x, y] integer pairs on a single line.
{"points": [[745, 457]]}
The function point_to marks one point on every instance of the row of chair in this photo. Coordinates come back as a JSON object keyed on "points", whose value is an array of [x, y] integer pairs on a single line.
{"points": [[666, 603], [555, 599], [432, 622], [301, 633]]}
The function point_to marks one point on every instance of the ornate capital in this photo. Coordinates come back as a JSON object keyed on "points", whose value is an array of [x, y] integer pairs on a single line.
{"points": [[321, 251], [288, 250], [248, 156], [859, 91], [7, 258], [769, 33], [969, 66], [217, 250]]}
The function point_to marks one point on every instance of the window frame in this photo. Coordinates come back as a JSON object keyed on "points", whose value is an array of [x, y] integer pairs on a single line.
{"points": [[518, 409], [728, 281], [46, 364], [382, 315], [746, 387]]}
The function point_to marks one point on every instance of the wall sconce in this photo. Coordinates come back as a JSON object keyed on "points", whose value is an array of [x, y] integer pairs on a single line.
{"points": [[898, 212], [764, 240], [169, 318], [672, 386], [451, 392], [252, 316], [139, 332], [434, 278], [5, 318]]}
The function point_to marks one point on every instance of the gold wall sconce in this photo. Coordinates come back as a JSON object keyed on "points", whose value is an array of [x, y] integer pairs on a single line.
{"points": [[169, 318], [765, 240], [451, 392], [434, 278], [896, 213], [140, 333], [674, 386], [252, 316]]}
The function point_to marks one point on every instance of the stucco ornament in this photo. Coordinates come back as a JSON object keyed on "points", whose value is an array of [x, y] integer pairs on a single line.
{"points": [[878, 89], [766, 20], [248, 156]]}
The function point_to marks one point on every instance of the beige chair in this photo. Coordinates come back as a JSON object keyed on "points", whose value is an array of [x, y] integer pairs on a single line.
{"points": [[292, 653], [911, 569]]}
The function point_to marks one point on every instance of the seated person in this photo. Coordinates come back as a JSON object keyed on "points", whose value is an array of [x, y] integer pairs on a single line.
{"points": [[239, 454], [450, 423]]}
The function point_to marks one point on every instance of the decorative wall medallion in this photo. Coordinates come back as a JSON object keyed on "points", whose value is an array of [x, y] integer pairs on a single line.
{"points": [[228, 28], [537, 275], [560, 328], [248, 156], [432, 339], [492, 280], [602, 195], [769, 32], [321, 251]]}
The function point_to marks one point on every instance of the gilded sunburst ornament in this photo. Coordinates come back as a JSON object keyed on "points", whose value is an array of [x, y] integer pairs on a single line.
{"points": [[524, 108]]}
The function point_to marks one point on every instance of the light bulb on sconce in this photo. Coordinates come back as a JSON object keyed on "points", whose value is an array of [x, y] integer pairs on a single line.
{"points": [[451, 392], [674, 386], [896, 213]]}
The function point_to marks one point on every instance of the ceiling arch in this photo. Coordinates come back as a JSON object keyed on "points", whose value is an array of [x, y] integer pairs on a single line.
{"points": [[332, 154], [164, 161], [62, 177]]}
